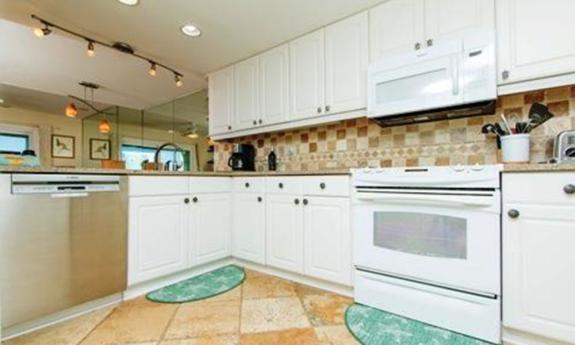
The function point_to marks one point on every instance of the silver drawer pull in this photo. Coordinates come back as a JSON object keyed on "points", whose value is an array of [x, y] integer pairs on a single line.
{"points": [[569, 189]]}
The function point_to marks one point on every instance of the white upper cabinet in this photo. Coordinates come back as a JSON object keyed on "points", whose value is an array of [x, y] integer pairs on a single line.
{"points": [[246, 107], [307, 75], [210, 227], [221, 100], [403, 25], [249, 232], [535, 39], [346, 50], [274, 85], [395, 25], [446, 19]]}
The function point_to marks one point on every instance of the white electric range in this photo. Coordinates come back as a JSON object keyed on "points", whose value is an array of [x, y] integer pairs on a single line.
{"points": [[427, 245]]}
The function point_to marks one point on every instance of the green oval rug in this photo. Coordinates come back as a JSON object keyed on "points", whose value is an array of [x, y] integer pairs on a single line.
{"points": [[376, 327], [200, 287]]}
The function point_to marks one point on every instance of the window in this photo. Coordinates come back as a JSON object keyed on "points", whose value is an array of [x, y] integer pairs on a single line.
{"points": [[14, 143], [134, 155]]}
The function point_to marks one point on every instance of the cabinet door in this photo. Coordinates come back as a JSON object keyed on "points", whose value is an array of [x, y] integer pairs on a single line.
{"points": [[210, 229], [538, 279], [274, 85], [158, 239], [395, 25], [221, 100], [249, 232], [346, 64], [531, 51], [453, 19], [327, 239], [307, 75], [284, 232], [246, 108]]}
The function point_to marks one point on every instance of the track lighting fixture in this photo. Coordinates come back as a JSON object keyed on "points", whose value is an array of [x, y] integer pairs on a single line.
{"points": [[118, 46], [41, 32], [152, 70], [178, 79], [91, 50]]}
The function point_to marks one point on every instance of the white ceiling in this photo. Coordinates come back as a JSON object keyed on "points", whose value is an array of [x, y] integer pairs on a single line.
{"points": [[231, 30]]}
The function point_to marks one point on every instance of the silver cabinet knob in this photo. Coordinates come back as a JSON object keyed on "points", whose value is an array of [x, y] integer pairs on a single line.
{"points": [[319, 110], [322, 185], [255, 122], [417, 46], [505, 74], [296, 201], [260, 199], [187, 200], [569, 189], [327, 108], [247, 185], [281, 185], [305, 202], [229, 128], [513, 213], [260, 121], [429, 42], [195, 199]]}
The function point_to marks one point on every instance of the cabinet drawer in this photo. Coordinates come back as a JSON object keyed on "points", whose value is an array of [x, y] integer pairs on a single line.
{"points": [[249, 184], [539, 187], [158, 185], [326, 185], [284, 185], [210, 185]]}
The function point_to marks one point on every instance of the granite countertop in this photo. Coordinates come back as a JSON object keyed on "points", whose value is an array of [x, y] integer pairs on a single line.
{"points": [[41, 170]]}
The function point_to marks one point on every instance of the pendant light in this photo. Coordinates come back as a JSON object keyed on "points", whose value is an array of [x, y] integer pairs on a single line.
{"points": [[91, 50], [71, 110], [152, 70], [104, 126]]}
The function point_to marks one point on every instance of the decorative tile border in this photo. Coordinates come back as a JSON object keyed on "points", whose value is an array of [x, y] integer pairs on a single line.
{"points": [[362, 143]]}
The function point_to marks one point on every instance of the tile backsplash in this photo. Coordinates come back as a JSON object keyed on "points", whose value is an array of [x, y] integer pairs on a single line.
{"points": [[362, 143]]}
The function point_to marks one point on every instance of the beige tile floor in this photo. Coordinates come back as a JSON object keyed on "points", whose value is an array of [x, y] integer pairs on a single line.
{"points": [[263, 310]]}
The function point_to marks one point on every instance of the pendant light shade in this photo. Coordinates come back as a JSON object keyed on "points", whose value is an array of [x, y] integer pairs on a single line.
{"points": [[104, 126], [71, 110]]}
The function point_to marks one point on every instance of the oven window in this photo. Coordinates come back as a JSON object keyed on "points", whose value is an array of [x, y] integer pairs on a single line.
{"points": [[421, 234], [430, 83]]}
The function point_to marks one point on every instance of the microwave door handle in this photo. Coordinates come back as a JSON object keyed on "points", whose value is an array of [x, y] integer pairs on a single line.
{"points": [[451, 200], [455, 76]]}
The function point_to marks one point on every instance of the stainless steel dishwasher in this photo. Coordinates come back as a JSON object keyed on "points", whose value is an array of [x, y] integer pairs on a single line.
{"points": [[63, 242]]}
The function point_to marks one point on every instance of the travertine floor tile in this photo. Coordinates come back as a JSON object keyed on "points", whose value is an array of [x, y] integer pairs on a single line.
{"points": [[326, 309], [230, 339], [267, 287], [336, 335], [138, 320], [69, 332], [205, 318], [272, 314], [233, 295], [304, 336], [305, 290]]}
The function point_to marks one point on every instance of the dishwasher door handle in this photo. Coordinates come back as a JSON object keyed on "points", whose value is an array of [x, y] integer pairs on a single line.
{"points": [[68, 195]]}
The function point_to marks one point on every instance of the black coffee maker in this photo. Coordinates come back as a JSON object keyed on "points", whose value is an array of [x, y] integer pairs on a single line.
{"points": [[243, 157]]}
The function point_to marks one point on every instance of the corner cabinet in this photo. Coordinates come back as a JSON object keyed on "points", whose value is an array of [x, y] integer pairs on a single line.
{"points": [[528, 51], [538, 258]]}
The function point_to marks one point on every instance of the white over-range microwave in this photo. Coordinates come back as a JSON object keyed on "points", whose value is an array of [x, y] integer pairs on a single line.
{"points": [[452, 78]]}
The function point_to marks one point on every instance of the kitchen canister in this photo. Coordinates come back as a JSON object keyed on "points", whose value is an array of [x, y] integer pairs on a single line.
{"points": [[515, 148]]}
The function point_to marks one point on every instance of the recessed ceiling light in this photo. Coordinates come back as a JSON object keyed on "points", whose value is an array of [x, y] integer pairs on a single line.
{"points": [[191, 30], [129, 2]]}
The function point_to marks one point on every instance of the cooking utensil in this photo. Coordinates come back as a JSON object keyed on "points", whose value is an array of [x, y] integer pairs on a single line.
{"points": [[507, 127], [489, 128], [521, 127], [500, 130], [538, 114]]}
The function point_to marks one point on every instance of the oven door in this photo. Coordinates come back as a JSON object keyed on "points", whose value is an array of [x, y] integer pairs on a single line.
{"points": [[416, 81], [449, 241]]}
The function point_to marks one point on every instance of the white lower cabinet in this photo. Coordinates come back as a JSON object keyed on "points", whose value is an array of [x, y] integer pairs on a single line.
{"points": [[249, 231], [157, 237], [327, 239], [538, 258], [284, 230], [210, 227]]}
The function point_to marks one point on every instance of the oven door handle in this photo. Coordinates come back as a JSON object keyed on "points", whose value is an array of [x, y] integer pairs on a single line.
{"points": [[451, 200]]}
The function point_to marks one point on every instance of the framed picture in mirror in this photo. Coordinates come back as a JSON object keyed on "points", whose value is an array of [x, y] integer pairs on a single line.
{"points": [[100, 149], [63, 146]]}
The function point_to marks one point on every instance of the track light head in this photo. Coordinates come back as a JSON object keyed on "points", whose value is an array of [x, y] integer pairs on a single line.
{"points": [[178, 79], [91, 50], [152, 70], [41, 32]]}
